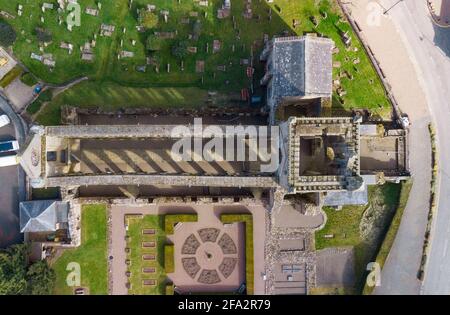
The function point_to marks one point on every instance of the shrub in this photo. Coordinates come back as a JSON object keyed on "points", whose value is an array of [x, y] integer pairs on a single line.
{"points": [[179, 50], [10, 76], [169, 264], [170, 289], [45, 96], [171, 219], [249, 264], [148, 19], [28, 79], [153, 43]]}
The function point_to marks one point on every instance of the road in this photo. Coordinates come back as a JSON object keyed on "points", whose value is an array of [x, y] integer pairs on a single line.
{"points": [[414, 56], [430, 48], [399, 274], [12, 180]]}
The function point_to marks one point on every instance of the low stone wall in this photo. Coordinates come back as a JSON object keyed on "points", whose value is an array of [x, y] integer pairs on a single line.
{"points": [[173, 180]]}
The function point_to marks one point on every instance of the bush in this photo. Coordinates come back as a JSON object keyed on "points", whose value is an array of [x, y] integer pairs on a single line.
{"points": [[170, 220], [179, 50], [7, 34], [153, 43], [170, 289], [249, 263], [169, 264], [148, 19], [45, 96], [10, 76], [28, 79]]}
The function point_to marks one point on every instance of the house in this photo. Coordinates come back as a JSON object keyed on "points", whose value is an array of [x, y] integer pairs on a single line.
{"points": [[43, 216], [6, 63], [298, 69]]}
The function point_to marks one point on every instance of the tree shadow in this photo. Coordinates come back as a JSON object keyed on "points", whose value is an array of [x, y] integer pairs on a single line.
{"points": [[442, 39]]}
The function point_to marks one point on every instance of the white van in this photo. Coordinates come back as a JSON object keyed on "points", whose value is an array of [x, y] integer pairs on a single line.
{"points": [[4, 120], [8, 160]]}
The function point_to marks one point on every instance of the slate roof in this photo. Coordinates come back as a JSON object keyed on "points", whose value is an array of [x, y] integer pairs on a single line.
{"points": [[301, 66], [42, 215]]}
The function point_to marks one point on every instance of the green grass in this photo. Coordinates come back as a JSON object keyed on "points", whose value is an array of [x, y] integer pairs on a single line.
{"points": [[28, 79], [169, 258], [10, 76], [44, 97], [111, 96], [91, 255], [249, 263], [170, 220], [392, 231], [135, 227], [345, 226], [365, 91]]}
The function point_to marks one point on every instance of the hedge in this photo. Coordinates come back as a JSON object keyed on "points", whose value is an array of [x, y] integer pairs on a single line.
{"points": [[247, 219], [169, 257], [170, 220]]}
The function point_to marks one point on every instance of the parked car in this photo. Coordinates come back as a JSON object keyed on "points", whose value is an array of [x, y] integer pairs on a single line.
{"points": [[4, 120], [8, 146], [8, 160], [80, 291]]}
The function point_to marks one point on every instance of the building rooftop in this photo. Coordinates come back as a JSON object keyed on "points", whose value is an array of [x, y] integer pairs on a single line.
{"points": [[301, 66], [42, 215], [6, 63]]}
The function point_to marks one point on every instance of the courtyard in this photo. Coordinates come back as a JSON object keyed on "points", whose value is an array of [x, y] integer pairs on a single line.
{"points": [[219, 253]]}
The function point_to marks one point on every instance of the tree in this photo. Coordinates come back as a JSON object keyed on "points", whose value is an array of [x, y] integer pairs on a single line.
{"points": [[41, 278], [13, 270], [18, 277], [153, 43], [179, 50], [148, 19], [7, 34]]}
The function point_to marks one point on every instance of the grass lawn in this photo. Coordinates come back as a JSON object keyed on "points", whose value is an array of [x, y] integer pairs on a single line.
{"points": [[45, 96], [249, 264], [135, 227], [364, 91], [111, 96], [91, 255], [392, 231], [364, 227]]}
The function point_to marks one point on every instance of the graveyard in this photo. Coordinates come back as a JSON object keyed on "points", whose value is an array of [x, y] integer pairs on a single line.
{"points": [[209, 45]]}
